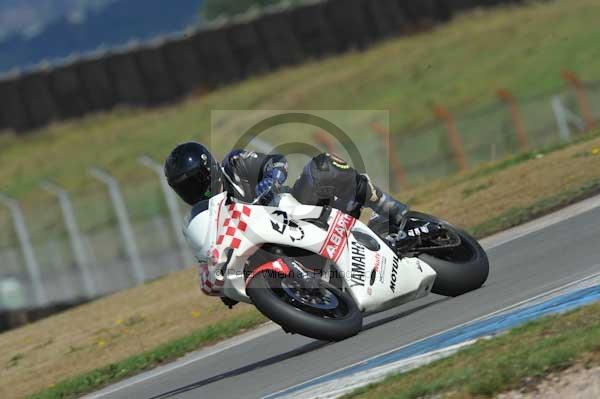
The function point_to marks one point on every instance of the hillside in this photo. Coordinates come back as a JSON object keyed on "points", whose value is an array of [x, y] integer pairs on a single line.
{"points": [[460, 65]]}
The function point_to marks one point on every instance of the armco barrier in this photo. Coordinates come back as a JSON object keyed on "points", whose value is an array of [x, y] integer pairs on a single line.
{"points": [[216, 57], [13, 111], [424, 13], [156, 78], [181, 59], [348, 22], [127, 79], [97, 83], [491, 3], [384, 18], [3, 123], [7, 96], [68, 91], [248, 49], [213, 56], [279, 39], [455, 6], [41, 105], [313, 30]]}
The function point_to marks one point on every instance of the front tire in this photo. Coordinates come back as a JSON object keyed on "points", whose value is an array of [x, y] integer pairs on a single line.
{"points": [[272, 300]]}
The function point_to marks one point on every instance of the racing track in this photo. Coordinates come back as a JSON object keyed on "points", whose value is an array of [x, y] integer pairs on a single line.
{"points": [[526, 261]]}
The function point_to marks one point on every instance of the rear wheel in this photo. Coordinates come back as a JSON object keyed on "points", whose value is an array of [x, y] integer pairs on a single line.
{"points": [[459, 269], [324, 312]]}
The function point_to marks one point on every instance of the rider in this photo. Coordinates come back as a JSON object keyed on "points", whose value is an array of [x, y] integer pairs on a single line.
{"points": [[195, 175]]}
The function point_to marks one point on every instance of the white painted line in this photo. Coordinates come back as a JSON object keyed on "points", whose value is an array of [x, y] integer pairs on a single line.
{"points": [[515, 233], [193, 357], [494, 313], [336, 388], [489, 243]]}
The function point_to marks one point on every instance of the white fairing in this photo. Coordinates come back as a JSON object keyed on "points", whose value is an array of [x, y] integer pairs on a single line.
{"points": [[377, 280], [198, 233], [394, 280]]}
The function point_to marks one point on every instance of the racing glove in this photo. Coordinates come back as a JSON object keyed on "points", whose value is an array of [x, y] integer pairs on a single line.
{"points": [[278, 174], [272, 177], [264, 189]]}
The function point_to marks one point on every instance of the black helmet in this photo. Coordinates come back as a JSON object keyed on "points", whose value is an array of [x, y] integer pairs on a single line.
{"points": [[193, 173]]}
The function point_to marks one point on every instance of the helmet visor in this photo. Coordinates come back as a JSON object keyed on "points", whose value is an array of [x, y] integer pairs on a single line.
{"points": [[194, 186]]}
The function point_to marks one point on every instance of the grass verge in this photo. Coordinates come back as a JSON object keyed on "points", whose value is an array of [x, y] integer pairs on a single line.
{"points": [[503, 194], [516, 216], [516, 360], [111, 373]]}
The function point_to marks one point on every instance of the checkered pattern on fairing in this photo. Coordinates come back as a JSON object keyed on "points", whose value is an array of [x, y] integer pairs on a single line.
{"points": [[233, 224]]}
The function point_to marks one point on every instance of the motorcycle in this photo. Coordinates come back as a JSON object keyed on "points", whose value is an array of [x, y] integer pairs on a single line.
{"points": [[317, 271]]}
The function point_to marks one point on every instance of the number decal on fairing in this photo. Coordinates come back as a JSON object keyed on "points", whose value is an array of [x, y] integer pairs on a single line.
{"points": [[295, 232], [276, 226]]}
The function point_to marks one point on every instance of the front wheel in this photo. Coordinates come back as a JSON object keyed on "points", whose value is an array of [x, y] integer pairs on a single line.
{"points": [[459, 269], [323, 313]]}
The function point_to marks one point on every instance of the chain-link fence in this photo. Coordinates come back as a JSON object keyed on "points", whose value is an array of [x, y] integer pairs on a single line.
{"points": [[492, 133], [90, 245]]}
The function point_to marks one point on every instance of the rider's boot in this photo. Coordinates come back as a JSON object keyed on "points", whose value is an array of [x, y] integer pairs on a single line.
{"points": [[382, 204], [389, 208]]}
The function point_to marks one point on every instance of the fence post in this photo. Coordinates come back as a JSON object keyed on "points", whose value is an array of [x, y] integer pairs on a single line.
{"points": [[325, 141], [584, 105], [124, 223], [516, 117], [173, 206], [453, 135], [33, 267], [79, 251], [563, 117], [389, 144]]}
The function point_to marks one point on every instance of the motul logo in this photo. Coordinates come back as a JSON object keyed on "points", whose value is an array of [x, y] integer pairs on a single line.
{"points": [[336, 240], [394, 276]]}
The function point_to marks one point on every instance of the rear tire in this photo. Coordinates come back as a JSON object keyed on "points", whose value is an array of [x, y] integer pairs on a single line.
{"points": [[295, 320], [459, 270]]}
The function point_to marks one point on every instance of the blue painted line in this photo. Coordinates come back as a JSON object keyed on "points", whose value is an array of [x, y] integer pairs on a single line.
{"points": [[482, 328]]}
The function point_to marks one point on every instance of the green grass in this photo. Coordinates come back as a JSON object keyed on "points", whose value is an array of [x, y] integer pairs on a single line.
{"points": [[520, 157], [460, 65], [96, 379], [519, 215], [490, 367]]}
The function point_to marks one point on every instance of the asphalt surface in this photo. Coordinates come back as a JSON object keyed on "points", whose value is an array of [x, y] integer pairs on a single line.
{"points": [[523, 264]]}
